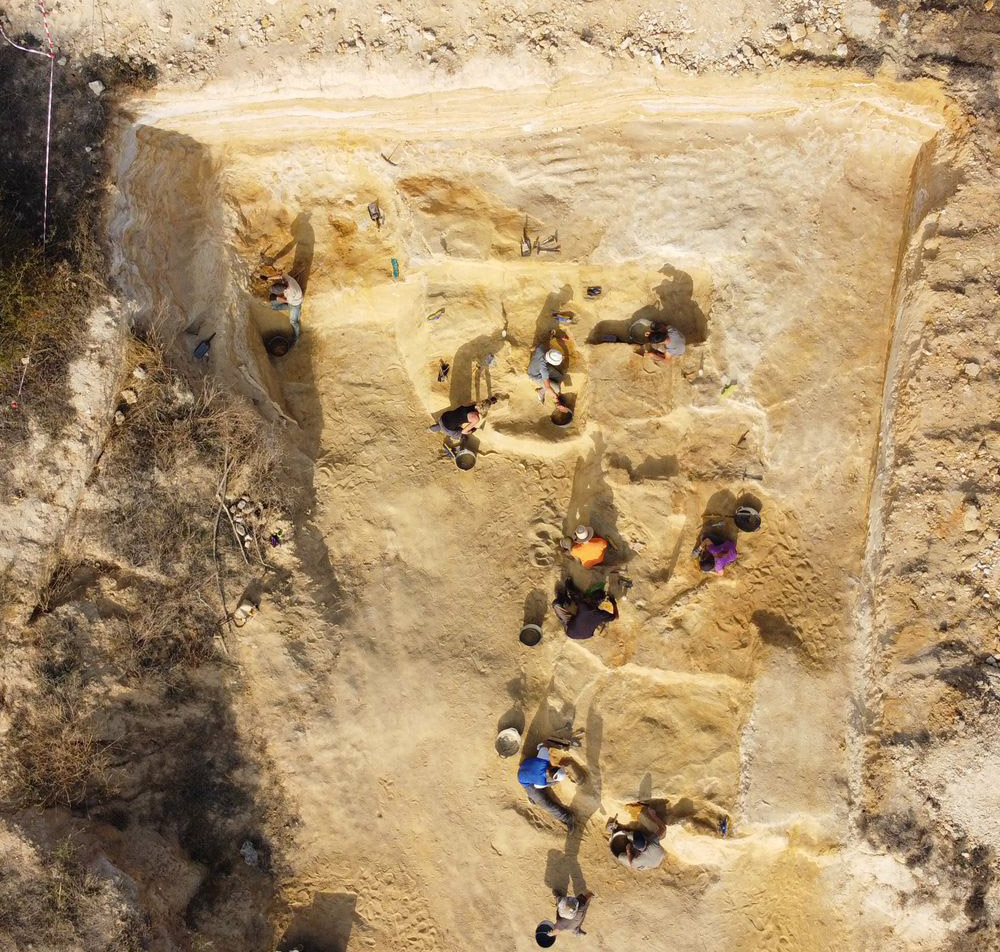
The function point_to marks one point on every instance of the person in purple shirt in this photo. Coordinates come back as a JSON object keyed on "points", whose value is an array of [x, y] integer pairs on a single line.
{"points": [[715, 554]]}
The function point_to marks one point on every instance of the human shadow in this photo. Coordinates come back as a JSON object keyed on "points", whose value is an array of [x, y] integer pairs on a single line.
{"points": [[303, 240], [469, 371], [675, 305], [536, 605], [617, 331], [545, 324], [654, 468], [305, 247], [592, 503], [717, 516], [563, 867]]}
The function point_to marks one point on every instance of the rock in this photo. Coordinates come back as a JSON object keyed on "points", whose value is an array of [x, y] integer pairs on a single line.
{"points": [[972, 369], [776, 35], [797, 32], [61, 61], [971, 522], [861, 19], [119, 418], [304, 23], [429, 35], [129, 396], [841, 50], [96, 87], [140, 373], [249, 853]]}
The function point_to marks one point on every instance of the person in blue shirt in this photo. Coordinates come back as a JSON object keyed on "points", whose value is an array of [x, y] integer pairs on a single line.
{"points": [[538, 773]]}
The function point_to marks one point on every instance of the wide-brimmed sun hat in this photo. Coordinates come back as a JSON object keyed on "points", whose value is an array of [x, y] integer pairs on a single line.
{"points": [[583, 533], [553, 357], [567, 907]]}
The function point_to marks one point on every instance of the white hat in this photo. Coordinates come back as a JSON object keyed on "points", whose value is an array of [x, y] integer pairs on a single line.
{"points": [[567, 907], [560, 774], [553, 357], [583, 533]]}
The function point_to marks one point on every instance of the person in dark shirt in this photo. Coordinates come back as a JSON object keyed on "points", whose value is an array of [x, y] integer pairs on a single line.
{"points": [[581, 615], [458, 422]]}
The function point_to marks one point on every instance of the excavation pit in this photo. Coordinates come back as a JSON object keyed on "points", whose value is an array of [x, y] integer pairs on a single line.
{"points": [[768, 220]]}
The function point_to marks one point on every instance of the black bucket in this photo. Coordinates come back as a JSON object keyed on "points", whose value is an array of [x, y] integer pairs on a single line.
{"points": [[747, 519], [278, 344], [530, 635], [544, 934], [562, 417]]}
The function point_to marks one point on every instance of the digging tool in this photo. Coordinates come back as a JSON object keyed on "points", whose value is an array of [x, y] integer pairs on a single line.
{"points": [[443, 372], [525, 241], [550, 244], [437, 315], [574, 741], [388, 157]]}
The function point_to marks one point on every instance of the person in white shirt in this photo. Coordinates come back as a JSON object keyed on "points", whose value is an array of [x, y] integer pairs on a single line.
{"points": [[286, 295]]}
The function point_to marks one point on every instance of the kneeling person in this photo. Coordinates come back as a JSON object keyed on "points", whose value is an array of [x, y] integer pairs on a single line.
{"points": [[458, 422]]}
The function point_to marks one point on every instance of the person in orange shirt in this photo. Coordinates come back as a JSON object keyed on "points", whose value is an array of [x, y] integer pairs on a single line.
{"points": [[588, 549]]}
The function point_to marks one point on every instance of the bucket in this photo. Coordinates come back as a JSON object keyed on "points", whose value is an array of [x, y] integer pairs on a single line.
{"points": [[561, 417], [530, 635], [465, 458], [544, 934], [637, 332], [508, 742], [747, 519], [278, 345]]}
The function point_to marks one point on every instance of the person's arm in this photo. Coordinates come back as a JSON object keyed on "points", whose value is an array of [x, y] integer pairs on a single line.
{"points": [[468, 428], [543, 753], [581, 913], [653, 818]]}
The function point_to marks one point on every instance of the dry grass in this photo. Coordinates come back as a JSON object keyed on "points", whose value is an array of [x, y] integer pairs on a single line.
{"points": [[54, 757], [43, 303], [55, 906]]}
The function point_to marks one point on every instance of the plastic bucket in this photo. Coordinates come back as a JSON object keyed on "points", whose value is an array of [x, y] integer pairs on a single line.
{"points": [[544, 935], [747, 519], [530, 635], [278, 345], [508, 742], [465, 458], [561, 417]]}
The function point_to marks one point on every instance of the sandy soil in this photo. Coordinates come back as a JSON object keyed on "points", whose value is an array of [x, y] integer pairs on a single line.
{"points": [[757, 216], [823, 236]]}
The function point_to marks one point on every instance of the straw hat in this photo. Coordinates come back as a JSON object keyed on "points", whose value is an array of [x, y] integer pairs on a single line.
{"points": [[583, 533], [553, 357]]}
